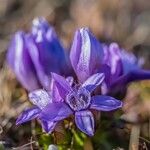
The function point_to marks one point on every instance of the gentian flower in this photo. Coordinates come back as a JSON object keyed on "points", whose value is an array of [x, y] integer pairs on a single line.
{"points": [[34, 55], [67, 97], [88, 56], [78, 100], [124, 68], [40, 99]]}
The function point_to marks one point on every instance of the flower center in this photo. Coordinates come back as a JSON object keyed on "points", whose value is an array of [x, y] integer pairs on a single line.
{"points": [[78, 99]]}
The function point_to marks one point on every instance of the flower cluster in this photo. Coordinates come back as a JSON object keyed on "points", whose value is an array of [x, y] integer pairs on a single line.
{"points": [[75, 89]]}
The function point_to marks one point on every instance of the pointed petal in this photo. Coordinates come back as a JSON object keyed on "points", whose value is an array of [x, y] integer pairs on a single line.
{"points": [[55, 112], [62, 85], [46, 51], [92, 82], [75, 49], [28, 115], [50, 49], [20, 62], [86, 54], [112, 57], [105, 103], [40, 98], [48, 126], [56, 97], [85, 122], [115, 60], [59, 57], [35, 54]]}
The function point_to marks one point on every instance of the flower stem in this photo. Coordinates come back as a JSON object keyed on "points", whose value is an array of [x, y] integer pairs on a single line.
{"points": [[134, 137]]}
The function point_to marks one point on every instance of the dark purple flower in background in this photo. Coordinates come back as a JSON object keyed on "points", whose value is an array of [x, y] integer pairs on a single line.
{"points": [[33, 56], [78, 100], [40, 99], [124, 68]]}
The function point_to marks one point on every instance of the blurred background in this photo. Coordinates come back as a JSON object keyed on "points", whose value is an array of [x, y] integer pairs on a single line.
{"points": [[126, 22]]}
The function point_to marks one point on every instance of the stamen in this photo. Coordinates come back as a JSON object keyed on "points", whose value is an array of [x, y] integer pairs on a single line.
{"points": [[78, 99]]}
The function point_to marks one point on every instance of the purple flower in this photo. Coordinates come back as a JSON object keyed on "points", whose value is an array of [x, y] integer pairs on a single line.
{"points": [[40, 99], [78, 100], [67, 96], [86, 54], [88, 57], [124, 68], [33, 56]]}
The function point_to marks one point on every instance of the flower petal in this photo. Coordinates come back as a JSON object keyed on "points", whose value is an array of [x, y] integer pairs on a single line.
{"points": [[37, 55], [123, 81], [28, 115], [92, 82], [39, 23], [55, 93], [46, 51], [105, 103], [48, 126], [86, 54], [112, 57], [55, 112], [130, 62], [85, 122], [40, 98], [135, 75], [50, 49], [20, 62], [62, 85]]}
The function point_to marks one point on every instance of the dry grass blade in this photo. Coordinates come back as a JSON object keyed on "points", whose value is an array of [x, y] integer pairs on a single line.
{"points": [[134, 137]]}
